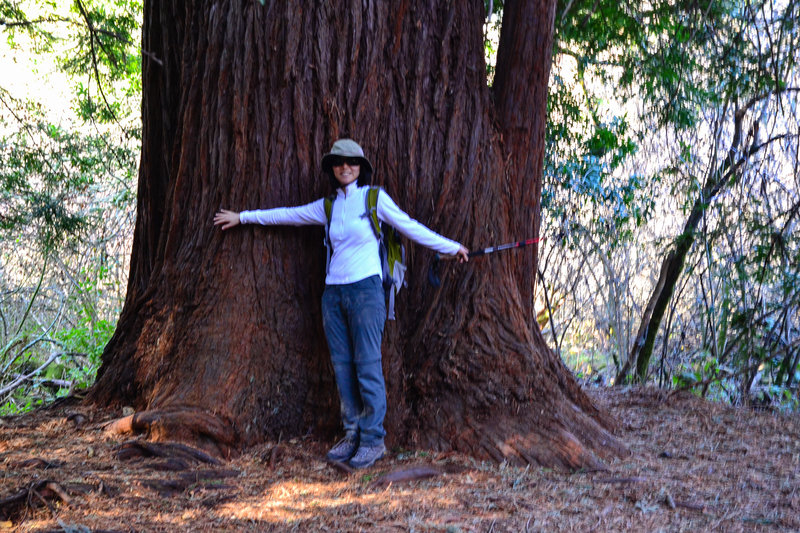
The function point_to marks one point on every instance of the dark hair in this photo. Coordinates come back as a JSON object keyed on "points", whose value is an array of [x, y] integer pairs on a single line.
{"points": [[364, 177]]}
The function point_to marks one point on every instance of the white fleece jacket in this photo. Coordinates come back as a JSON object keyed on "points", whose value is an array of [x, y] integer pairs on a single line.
{"points": [[355, 248]]}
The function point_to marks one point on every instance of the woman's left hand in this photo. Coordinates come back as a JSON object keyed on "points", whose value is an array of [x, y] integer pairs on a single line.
{"points": [[463, 255], [226, 218]]}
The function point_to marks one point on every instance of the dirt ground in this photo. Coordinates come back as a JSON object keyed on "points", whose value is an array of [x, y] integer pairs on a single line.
{"points": [[694, 466]]}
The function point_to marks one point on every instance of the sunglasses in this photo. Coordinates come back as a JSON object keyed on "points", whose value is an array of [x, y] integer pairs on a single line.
{"points": [[351, 161]]}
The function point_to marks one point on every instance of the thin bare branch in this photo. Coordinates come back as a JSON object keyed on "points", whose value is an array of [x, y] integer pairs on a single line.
{"points": [[23, 378]]}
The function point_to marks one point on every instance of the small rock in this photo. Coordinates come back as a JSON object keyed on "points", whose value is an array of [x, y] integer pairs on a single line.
{"points": [[128, 411]]}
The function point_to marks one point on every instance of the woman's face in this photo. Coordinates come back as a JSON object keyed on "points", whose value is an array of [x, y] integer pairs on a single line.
{"points": [[346, 170]]}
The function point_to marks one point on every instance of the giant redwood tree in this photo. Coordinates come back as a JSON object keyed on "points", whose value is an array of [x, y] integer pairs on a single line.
{"points": [[220, 339]]}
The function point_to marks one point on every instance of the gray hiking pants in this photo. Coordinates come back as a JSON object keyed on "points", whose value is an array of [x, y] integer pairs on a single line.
{"points": [[353, 316]]}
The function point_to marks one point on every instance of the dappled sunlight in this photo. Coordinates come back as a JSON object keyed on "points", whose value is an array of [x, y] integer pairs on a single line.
{"points": [[695, 466], [291, 501], [7, 444]]}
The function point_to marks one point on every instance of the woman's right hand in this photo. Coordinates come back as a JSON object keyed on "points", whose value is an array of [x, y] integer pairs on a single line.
{"points": [[226, 218]]}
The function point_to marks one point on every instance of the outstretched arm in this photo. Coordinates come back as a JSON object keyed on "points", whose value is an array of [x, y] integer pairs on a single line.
{"points": [[226, 218], [388, 211], [313, 213]]}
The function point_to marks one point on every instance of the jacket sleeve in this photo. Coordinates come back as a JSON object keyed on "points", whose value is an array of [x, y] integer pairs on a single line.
{"points": [[389, 212], [304, 215]]}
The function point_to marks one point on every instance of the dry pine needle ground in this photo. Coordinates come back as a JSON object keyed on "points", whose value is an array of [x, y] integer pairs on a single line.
{"points": [[695, 466]]}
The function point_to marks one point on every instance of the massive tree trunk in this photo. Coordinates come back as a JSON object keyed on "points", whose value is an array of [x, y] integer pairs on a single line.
{"points": [[221, 338]]}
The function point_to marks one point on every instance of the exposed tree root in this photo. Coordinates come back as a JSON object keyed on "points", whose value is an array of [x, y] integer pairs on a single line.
{"points": [[518, 444], [186, 424], [207, 479], [179, 454], [177, 457], [40, 493], [36, 462]]}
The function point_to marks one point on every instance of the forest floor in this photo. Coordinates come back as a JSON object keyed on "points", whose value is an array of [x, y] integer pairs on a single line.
{"points": [[694, 466]]}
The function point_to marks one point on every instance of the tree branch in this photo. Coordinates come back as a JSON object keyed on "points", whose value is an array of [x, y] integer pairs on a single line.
{"points": [[581, 58], [566, 10], [21, 379], [757, 98], [92, 39], [550, 312], [28, 23]]}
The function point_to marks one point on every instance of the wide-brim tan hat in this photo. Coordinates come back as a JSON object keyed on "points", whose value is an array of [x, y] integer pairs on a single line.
{"points": [[344, 148]]}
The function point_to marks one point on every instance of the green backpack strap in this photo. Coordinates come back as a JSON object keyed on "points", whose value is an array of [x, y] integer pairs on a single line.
{"points": [[391, 250], [371, 201], [328, 203]]}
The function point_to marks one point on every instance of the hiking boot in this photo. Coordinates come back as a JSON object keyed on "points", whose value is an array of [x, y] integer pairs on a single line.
{"points": [[343, 450], [367, 455]]}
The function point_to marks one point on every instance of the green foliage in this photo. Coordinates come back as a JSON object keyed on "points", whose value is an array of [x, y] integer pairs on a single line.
{"points": [[107, 50], [67, 190], [77, 335], [89, 339], [687, 67], [677, 55], [48, 176], [586, 184], [679, 58], [14, 20], [20, 403], [747, 297], [491, 36], [96, 42]]}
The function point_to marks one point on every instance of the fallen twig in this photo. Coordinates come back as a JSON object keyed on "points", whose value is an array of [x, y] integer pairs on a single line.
{"points": [[16, 506], [347, 469], [34, 492], [56, 488]]}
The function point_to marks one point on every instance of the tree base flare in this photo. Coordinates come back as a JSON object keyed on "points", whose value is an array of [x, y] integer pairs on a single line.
{"points": [[535, 441], [191, 425]]}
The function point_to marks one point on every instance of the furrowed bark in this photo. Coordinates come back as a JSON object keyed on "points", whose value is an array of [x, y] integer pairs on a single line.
{"points": [[247, 101]]}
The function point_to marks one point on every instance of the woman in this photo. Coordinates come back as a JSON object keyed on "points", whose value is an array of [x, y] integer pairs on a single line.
{"points": [[353, 304]]}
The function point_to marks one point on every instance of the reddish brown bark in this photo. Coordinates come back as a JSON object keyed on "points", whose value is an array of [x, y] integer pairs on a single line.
{"points": [[237, 114]]}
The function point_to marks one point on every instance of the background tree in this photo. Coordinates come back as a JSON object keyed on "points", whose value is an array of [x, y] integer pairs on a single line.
{"points": [[750, 53], [643, 109], [220, 337]]}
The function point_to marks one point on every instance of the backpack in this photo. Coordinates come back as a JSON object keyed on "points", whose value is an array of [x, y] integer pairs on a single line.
{"points": [[391, 250]]}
